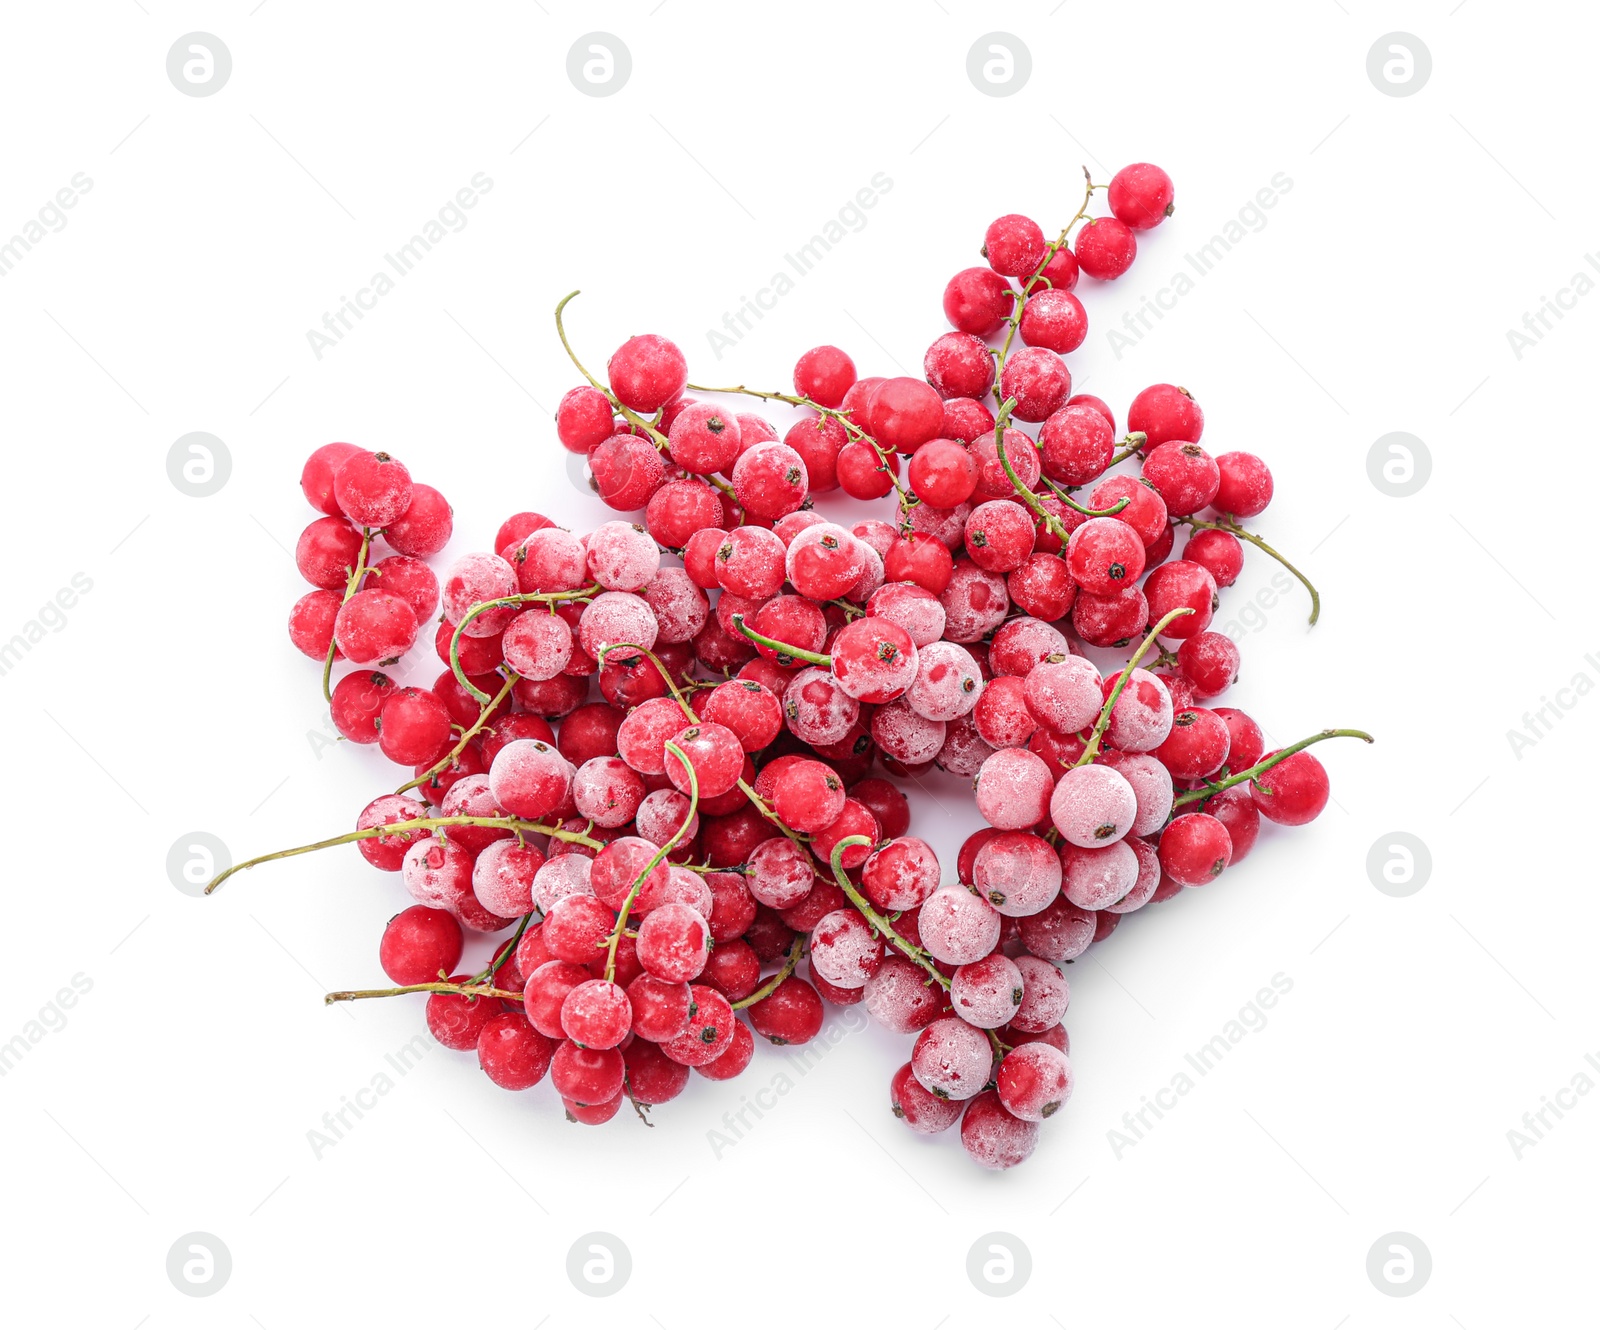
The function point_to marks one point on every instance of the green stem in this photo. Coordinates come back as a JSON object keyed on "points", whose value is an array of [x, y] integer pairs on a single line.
{"points": [[410, 824], [655, 861], [485, 710], [1266, 764], [1055, 525], [1021, 298], [525, 598], [1104, 719], [632, 417], [771, 986], [1135, 441], [787, 654], [853, 432], [466, 990], [913, 954], [1233, 528], [351, 586], [499, 958]]}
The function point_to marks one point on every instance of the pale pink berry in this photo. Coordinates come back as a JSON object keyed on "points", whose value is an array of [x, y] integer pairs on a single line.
{"points": [[952, 1059], [948, 682], [1095, 879], [537, 644], [615, 617], [845, 952], [1013, 789], [472, 580], [1093, 806], [1045, 995], [622, 556], [987, 992], [958, 927], [1017, 872], [1034, 1081]]}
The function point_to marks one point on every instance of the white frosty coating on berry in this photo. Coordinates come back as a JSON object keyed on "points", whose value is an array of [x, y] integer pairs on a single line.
{"points": [[682, 888], [1142, 718], [538, 644], [974, 602], [553, 560], [1022, 643], [1060, 932], [1148, 880], [965, 750], [906, 736], [899, 996], [992, 1137], [843, 950], [914, 608], [1037, 1082], [901, 874], [622, 556], [786, 528], [816, 709], [876, 534], [946, 525], [958, 927], [438, 874], [613, 617], [1093, 806], [607, 791], [840, 564], [1013, 789], [871, 577], [565, 875], [681, 608], [529, 778], [780, 873], [1017, 873], [948, 682], [753, 477], [951, 1059], [673, 943], [987, 993], [644, 732], [1065, 695], [473, 579], [502, 878], [1152, 788], [1095, 879], [875, 661], [1045, 996], [661, 814]]}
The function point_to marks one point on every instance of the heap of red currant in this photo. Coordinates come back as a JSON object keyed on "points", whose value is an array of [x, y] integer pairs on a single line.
{"points": [[646, 768]]}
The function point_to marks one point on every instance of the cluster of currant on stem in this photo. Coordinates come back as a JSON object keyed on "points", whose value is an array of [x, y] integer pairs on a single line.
{"points": [[646, 768]]}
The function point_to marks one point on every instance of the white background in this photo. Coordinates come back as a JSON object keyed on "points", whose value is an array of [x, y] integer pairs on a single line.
{"points": [[1376, 298]]}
